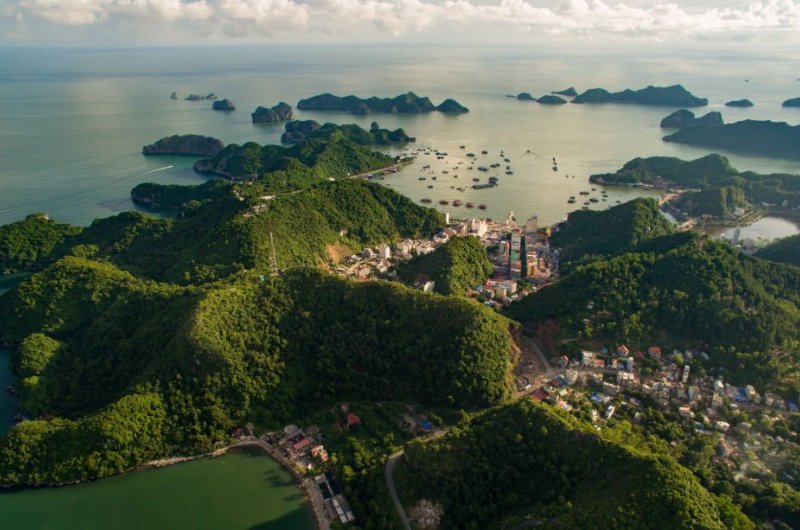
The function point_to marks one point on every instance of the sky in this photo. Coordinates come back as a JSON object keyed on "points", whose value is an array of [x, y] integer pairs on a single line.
{"points": [[629, 23]]}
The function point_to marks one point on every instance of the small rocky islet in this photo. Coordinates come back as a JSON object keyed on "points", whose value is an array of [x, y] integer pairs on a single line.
{"points": [[739, 103], [224, 104], [280, 112]]}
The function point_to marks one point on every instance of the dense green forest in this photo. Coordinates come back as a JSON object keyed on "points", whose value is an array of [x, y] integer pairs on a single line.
{"points": [[135, 370], [590, 233], [28, 244], [689, 289], [220, 235], [456, 266], [277, 168], [755, 137], [709, 172], [529, 464], [717, 202], [786, 250]]}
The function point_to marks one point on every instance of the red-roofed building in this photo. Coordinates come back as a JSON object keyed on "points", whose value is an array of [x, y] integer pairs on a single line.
{"points": [[301, 444], [539, 394], [622, 350], [353, 420], [654, 351]]}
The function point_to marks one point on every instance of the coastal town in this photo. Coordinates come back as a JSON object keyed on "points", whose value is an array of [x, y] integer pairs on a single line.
{"points": [[522, 257], [607, 384]]}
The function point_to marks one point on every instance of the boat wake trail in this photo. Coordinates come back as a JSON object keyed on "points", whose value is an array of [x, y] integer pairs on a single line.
{"points": [[155, 170]]}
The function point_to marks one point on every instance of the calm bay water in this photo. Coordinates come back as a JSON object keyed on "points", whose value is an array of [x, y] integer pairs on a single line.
{"points": [[241, 490], [74, 121]]}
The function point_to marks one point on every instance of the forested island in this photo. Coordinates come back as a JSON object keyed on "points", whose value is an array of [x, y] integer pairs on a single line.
{"points": [[741, 103], [185, 145], [719, 188], [408, 103], [793, 102], [671, 96], [753, 137]]}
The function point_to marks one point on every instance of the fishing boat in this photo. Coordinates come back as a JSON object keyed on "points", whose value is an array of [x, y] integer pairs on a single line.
{"points": [[457, 202], [430, 187], [443, 202], [462, 146], [484, 152], [469, 205], [509, 172], [481, 206], [425, 201], [571, 200], [594, 199], [423, 178]]}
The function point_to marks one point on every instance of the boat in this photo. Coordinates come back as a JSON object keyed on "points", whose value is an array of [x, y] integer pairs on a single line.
{"points": [[471, 155], [469, 205], [584, 193], [484, 186], [425, 201], [571, 200], [443, 202], [462, 146], [423, 178], [555, 168], [484, 152], [586, 203], [433, 178], [430, 186], [481, 206], [457, 202], [483, 168], [509, 172], [476, 180], [594, 199]]}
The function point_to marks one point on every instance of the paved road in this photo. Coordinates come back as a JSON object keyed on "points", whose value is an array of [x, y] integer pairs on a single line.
{"points": [[388, 472]]}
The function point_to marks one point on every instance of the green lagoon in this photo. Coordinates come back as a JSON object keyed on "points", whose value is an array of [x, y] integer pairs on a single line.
{"points": [[240, 490]]}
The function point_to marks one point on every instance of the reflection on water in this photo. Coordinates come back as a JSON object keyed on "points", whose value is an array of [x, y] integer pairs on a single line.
{"points": [[766, 228]]}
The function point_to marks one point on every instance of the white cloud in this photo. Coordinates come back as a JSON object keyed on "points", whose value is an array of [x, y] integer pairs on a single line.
{"points": [[396, 17]]}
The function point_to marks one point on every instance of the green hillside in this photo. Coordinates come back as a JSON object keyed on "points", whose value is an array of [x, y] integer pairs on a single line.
{"points": [[220, 235], [530, 465], [277, 168], [27, 244], [456, 266], [608, 232], [709, 172], [691, 290], [135, 370], [786, 250]]}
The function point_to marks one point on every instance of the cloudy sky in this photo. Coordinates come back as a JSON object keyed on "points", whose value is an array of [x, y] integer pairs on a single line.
{"points": [[148, 22]]}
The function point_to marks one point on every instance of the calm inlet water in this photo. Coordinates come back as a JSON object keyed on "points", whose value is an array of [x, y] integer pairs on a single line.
{"points": [[241, 490], [74, 121]]}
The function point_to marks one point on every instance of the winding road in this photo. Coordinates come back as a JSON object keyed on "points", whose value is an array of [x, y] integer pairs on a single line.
{"points": [[388, 472]]}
